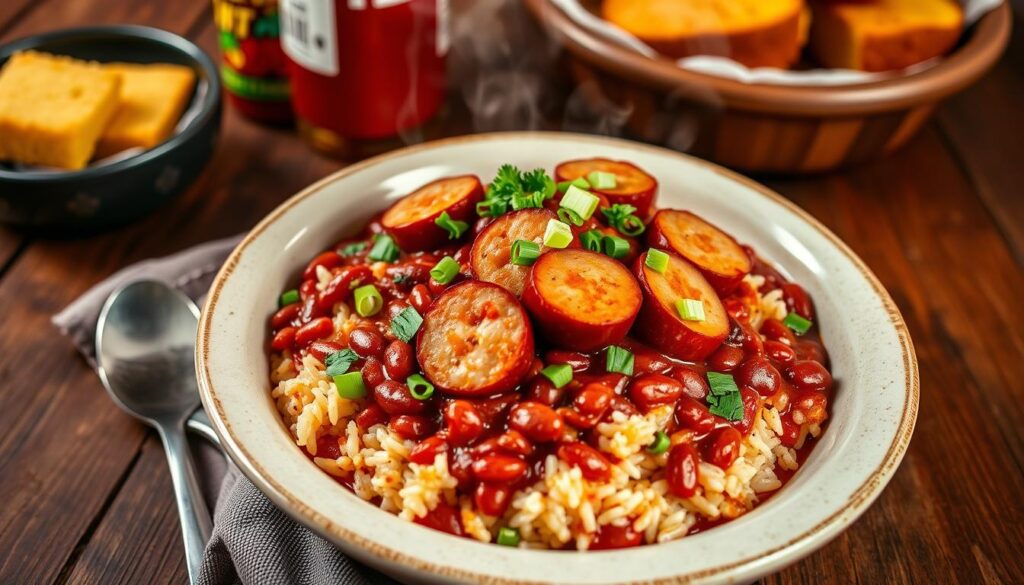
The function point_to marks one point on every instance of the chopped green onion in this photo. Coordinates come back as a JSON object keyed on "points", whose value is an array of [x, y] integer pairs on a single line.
{"points": [[631, 225], [656, 260], [722, 384], [557, 234], [454, 227], [591, 240], [559, 374], [339, 362], [290, 297], [352, 249], [578, 182], [619, 359], [350, 385], [798, 324], [406, 323], [491, 207], [660, 444], [580, 201], [368, 300], [725, 399], [419, 387], [445, 270], [384, 249], [524, 253], [602, 180], [569, 216], [525, 201], [615, 247], [508, 536], [690, 309], [620, 216]]}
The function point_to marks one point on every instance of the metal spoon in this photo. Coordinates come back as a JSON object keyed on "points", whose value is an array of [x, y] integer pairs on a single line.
{"points": [[145, 345]]}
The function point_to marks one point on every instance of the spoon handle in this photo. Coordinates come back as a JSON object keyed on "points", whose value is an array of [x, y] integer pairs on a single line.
{"points": [[192, 511]]}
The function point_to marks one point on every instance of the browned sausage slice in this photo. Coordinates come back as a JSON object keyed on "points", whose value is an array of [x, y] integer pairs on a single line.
{"points": [[715, 253], [492, 249], [475, 340], [582, 300], [659, 322], [633, 185], [410, 221]]}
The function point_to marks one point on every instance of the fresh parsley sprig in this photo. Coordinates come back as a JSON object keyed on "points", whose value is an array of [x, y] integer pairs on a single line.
{"points": [[620, 216], [512, 189]]}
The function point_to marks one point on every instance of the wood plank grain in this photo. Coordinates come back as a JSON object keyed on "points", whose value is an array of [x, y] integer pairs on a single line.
{"points": [[47, 15], [952, 512], [138, 540], [985, 128]]}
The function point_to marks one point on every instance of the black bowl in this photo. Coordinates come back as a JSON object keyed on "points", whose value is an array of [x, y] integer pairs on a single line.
{"points": [[110, 193]]}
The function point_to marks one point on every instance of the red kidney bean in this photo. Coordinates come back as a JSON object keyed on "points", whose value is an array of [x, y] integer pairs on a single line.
{"points": [[444, 518], [797, 300], [327, 446], [811, 350], [492, 499], [694, 415], [373, 372], [723, 447], [537, 421], [411, 426], [394, 307], [621, 404], [577, 420], [593, 465], [617, 382], [695, 385], [779, 352], [426, 450], [593, 401], [399, 362], [646, 362], [366, 342], [283, 339], [340, 286], [285, 315], [492, 410], [650, 390], [809, 407], [751, 404], [809, 375], [460, 465], [774, 330], [315, 329], [790, 432], [307, 290], [415, 269], [725, 359], [321, 349], [310, 310], [682, 470], [758, 373], [396, 399], [580, 362], [514, 442], [612, 537], [436, 288], [420, 298], [328, 259], [540, 389], [372, 415], [499, 468], [463, 423]]}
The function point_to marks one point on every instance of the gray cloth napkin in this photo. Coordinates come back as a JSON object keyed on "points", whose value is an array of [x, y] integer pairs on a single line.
{"points": [[253, 541]]}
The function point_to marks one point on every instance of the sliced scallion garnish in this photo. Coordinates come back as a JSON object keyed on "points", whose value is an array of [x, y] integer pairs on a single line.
{"points": [[557, 234], [579, 201], [352, 249], [656, 260], [419, 387], [725, 399], [660, 444], [615, 247], [508, 536], [690, 309], [578, 181], [619, 360], [591, 240], [368, 300], [350, 385], [445, 270], [602, 180], [289, 297], [454, 227], [384, 249], [406, 324], [559, 374], [524, 252], [798, 324]]}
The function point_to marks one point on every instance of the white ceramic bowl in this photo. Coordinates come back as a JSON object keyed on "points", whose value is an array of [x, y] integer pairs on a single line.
{"points": [[873, 362]]}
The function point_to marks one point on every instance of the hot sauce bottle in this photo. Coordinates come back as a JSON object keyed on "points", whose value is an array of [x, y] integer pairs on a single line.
{"points": [[363, 70], [253, 66]]}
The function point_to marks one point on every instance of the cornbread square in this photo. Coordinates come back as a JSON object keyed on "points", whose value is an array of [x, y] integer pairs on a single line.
{"points": [[884, 35], [152, 100], [53, 109]]}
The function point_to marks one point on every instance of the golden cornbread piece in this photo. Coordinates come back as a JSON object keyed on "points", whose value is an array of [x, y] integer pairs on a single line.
{"points": [[53, 109], [151, 102]]}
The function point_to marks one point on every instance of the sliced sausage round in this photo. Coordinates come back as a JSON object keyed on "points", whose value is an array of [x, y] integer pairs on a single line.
{"points": [[582, 300], [715, 253], [410, 221], [633, 185], [659, 322], [475, 340], [492, 249]]}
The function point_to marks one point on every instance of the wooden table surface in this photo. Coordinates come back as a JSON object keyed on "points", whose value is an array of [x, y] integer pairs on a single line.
{"points": [[85, 494]]}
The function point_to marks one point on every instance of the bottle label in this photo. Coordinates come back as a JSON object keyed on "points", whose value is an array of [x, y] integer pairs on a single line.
{"points": [[308, 34], [252, 65]]}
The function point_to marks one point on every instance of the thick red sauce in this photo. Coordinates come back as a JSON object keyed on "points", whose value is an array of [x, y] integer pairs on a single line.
{"points": [[491, 442]]}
